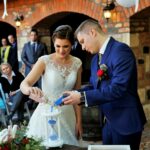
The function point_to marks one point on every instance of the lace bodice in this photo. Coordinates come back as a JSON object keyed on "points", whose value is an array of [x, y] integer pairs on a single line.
{"points": [[57, 78]]}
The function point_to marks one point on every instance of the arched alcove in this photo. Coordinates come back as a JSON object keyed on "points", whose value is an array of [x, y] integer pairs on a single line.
{"points": [[6, 29], [47, 25], [71, 18]]}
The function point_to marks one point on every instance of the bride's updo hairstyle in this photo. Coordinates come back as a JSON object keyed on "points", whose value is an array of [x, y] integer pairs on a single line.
{"points": [[63, 32]]}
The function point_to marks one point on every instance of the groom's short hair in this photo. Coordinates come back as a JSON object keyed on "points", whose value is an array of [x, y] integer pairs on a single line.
{"points": [[86, 25]]}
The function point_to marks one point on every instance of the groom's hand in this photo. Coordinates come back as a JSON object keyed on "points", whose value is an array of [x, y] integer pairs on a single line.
{"points": [[73, 98]]}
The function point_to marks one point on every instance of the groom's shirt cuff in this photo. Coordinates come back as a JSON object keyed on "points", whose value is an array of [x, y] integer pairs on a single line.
{"points": [[83, 99], [86, 104]]}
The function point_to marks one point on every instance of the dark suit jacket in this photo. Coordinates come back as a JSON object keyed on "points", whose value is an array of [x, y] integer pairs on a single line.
{"points": [[29, 57], [13, 57], [7, 87], [117, 97]]}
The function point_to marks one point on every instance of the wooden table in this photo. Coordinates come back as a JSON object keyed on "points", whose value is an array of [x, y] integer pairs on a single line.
{"points": [[68, 147]]}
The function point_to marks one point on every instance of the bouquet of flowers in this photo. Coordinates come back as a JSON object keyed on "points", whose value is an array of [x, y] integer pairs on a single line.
{"points": [[13, 138]]}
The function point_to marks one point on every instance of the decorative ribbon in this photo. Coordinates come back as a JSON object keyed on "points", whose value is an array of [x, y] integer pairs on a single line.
{"points": [[5, 10]]}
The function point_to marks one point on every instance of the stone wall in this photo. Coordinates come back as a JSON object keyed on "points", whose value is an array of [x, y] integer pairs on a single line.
{"points": [[140, 43]]}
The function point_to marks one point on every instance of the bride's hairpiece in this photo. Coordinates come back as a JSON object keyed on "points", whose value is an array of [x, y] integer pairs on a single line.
{"points": [[63, 32], [63, 28]]}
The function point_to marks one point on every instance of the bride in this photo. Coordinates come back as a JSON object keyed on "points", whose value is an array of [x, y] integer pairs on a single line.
{"points": [[60, 72]]}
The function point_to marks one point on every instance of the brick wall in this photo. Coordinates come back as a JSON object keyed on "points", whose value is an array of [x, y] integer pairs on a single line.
{"points": [[36, 10]]}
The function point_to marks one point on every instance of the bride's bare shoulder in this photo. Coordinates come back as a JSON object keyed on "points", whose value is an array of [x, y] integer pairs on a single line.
{"points": [[52, 56]]}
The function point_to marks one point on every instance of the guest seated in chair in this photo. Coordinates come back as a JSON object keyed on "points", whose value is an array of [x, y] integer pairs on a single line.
{"points": [[10, 81]]}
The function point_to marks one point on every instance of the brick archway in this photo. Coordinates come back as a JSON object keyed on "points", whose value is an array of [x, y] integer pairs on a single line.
{"points": [[54, 20], [91, 8], [47, 8], [36, 10]]}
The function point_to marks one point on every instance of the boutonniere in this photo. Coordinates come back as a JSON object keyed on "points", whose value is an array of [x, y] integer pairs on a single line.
{"points": [[102, 72]]}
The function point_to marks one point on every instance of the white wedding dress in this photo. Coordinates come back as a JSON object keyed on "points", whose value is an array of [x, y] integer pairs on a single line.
{"points": [[55, 80]]}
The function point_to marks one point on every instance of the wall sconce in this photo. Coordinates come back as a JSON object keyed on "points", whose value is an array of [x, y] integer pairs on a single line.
{"points": [[107, 10], [18, 20]]}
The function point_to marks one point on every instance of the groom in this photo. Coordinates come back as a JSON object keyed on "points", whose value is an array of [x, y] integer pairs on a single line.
{"points": [[114, 86]]}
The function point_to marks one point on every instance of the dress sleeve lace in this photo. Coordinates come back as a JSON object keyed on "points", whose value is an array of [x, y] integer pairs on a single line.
{"points": [[77, 63], [44, 58]]}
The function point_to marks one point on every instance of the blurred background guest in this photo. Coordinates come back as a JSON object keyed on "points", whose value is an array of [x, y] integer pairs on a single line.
{"points": [[14, 53], [32, 50], [10, 81], [5, 51]]}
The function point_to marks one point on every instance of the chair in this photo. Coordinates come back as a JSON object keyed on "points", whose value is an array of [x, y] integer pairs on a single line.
{"points": [[2, 111], [3, 107]]}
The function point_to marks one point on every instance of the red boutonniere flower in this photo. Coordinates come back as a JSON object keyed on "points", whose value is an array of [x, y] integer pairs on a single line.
{"points": [[102, 73]]}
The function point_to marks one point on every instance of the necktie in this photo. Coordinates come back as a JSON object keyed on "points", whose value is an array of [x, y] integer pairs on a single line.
{"points": [[33, 47], [100, 58]]}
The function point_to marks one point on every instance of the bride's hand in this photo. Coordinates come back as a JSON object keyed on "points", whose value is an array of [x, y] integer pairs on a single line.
{"points": [[36, 94], [35, 91], [78, 130]]}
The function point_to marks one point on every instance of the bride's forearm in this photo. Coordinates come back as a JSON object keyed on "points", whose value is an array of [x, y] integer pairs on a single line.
{"points": [[77, 110], [24, 87], [32, 78]]}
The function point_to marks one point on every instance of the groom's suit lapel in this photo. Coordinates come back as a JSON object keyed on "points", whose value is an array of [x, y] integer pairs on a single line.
{"points": [[107, 51], [104, 57], [95, 69]]}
